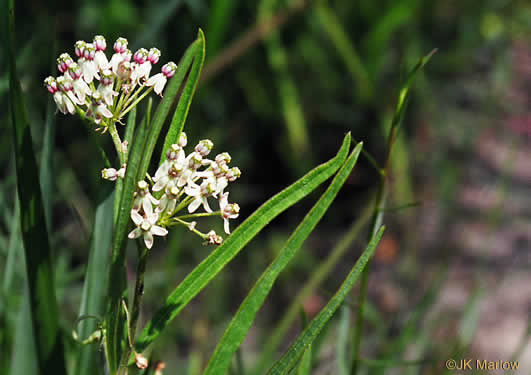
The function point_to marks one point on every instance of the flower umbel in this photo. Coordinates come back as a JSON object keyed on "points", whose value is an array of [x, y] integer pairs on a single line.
{"points": [[105, 90]]}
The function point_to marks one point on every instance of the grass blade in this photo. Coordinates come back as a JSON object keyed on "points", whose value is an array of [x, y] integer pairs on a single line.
{"points": [[170, 94], [342, 341], [219, 20], [304, 340], [305, 366], [95, 287], [24, 358], [217, 260], [242, 320], [39, 267], [288, 94], [179, 118], [341, 41]]}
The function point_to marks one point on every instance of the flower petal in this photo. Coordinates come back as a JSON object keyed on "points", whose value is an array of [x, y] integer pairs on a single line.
{"points": [[159, 231], [135, 233]]}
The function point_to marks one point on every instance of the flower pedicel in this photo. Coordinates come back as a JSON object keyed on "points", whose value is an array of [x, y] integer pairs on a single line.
{"points": [[104, 91]]}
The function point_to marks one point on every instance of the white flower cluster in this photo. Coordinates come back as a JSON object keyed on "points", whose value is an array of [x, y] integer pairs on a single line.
{"points": [[105, 90], [184, 181]]}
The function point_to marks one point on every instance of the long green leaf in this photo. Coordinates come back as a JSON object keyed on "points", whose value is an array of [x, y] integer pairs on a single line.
{"points": [[94, 289], [324, 269], [170, 94], [217, 260], [117, 277], [295, 351], [179, 118], [241, 322], [39, 265]]}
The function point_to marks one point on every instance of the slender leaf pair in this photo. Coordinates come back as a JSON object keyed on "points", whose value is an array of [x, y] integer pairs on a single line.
{"points": [[219, 258], [241, 322]]}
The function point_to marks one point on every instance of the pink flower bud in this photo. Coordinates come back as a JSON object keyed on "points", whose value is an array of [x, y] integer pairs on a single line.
{"points": [[89, 52], [183, 139], [75, 71], [233, 174], [204, 147], [99, 43], [106, 78], [120, 46], [169, 69], [79, 48], [63, 62], [153, 55], [223, 158], [51, 85], [141, 56]]}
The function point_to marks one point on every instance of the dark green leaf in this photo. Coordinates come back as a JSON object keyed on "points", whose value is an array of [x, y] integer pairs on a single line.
{"points": [[179, 118]]}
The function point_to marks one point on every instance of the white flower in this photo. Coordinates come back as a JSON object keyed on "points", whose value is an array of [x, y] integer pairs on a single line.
{"points": [[169, 200], [228, 211], [146, 226], [143, 198], [98, 109], [170, 168], [200, 193], [159, 80]]}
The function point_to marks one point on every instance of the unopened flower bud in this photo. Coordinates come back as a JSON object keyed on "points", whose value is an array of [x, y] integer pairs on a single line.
{"points": [[63, 62], [153, 55], [141, 361], [51, 85], [173, 152], [99, 43], [75, 71], [127, 55], [233, 174], [107, 78], [213, 238], [223, 158], [230, 210], [80, 48], [204, 147], [169, 69], [141, 56], [120, 46], [89, 52], [183, 139]]}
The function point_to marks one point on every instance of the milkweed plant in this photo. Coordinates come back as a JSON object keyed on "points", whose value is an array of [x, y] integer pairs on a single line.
{"points": [[187, 185]]}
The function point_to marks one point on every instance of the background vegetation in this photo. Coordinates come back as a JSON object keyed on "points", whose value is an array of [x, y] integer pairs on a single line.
{"points": [[283, 82]]}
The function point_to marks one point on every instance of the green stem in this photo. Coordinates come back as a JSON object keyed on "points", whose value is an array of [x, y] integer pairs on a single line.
{"points": [[201, 214], [117, 142], [137, 299], [136, 102]]}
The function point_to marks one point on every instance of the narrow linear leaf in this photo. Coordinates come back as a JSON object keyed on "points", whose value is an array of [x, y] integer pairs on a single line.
{"points": [[95, 286], [39, 265], [170, 94], [217, 260], [128, 137], [324, 269], [243, 319], [179, 118], [290, 357], [342, 341], [305, 365], [117, 277]]}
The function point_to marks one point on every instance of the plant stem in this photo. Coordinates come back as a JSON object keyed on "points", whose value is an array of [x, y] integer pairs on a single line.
{"points": [[139, 288], [117, 142]]}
